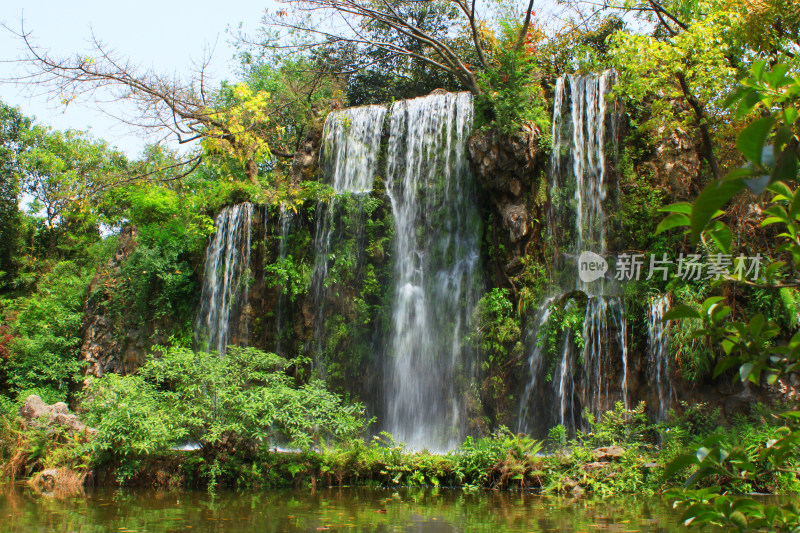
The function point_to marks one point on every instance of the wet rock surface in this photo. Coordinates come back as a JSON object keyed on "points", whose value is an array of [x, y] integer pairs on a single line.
{"points": [[505, 166]]}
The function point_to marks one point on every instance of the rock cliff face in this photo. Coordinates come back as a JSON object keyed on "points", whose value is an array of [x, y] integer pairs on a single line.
{"points": [[305, 162], [103, 348], [509, 169], [675, 163], [306, 158], [109, 345]]}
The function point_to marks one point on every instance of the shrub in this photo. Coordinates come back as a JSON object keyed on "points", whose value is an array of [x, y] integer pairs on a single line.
{"points": [[43, 354], [242, 401]]}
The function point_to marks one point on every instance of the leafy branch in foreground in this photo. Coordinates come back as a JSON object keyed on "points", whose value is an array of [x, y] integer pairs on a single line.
{"points": [[755, 347]]}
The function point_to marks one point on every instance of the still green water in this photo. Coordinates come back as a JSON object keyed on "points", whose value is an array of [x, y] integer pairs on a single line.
{"points": [[351, 510]]}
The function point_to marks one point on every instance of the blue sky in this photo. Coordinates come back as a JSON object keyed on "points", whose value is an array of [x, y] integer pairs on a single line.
{"points": [[165, 34]]}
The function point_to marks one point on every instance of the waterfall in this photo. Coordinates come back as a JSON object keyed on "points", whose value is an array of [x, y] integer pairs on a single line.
{"points": [[437, 232], [285, 223], [578, 177], [658, 356], [588, 115], [535, 360], [579, 124], [225, 281], [351, 141], [604, 333]]}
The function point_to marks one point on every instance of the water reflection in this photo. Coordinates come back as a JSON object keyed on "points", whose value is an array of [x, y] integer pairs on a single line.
{"points": [[351, 510]]}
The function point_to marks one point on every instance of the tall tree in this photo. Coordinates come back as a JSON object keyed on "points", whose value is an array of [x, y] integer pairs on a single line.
{"points": [[13, 126]]}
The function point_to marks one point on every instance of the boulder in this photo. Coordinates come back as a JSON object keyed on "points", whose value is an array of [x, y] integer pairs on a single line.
{"points": [[60, 481], [596, 465], [505, 166], [36, 413], [608, 453]]}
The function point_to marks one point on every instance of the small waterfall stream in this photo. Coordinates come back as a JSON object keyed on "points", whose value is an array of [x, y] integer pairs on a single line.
{"points": [[527, 420], [225, 281], [351, 142], [577, 223], [437, 232], [658, 355], [285, 221]]}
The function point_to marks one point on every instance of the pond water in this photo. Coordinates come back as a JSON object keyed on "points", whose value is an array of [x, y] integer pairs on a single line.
{"points": [[351, 510]]}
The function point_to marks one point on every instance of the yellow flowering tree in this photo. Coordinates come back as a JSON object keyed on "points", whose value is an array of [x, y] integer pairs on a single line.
{"points": [[237, 130]]}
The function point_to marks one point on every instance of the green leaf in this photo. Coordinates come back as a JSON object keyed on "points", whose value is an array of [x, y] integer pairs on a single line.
{"points": [[709, 302], [773, 268], [771, 220], [782, 136], [758, 69], [751, 140], [778, 78], [725, 364], [715, 195], [681, 311], [672, 221], [756, 324], [747, 103], [679, 463], [786, 166], [777, 211], [680, 207], [723, 236], [778, 187], [738, 519], [735, 96], [794, 209]]}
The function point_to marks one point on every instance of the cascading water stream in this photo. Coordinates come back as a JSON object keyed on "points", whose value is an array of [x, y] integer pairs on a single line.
{"points": [[577, 223], [225, 281], [658, 355], [351, 140], [350, 144], [285, 223], [526, 419], [433, 198]]}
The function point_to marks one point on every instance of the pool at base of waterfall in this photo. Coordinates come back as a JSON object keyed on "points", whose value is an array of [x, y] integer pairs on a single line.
{"points": [[329, 509]]}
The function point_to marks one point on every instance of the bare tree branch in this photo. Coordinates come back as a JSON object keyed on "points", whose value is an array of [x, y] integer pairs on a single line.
{"points": [[355, 17]]}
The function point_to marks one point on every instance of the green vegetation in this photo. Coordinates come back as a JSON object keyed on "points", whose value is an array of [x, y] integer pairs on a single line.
{"points": [[565, 319], [140, 423], [231, 406], [751, 344], [708, 101]]}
